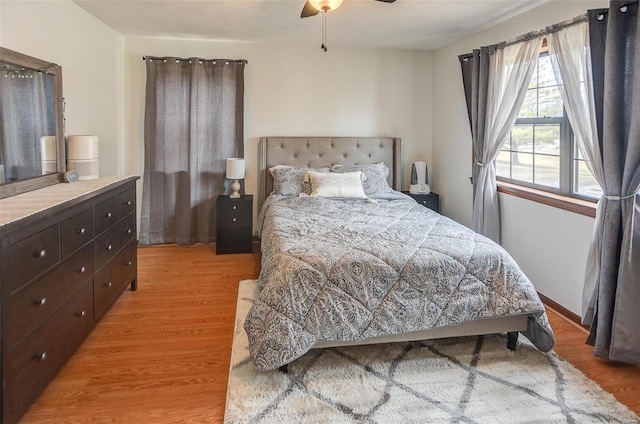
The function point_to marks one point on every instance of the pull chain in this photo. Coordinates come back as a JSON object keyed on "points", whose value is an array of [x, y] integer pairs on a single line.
{"points": [[324, 31]]}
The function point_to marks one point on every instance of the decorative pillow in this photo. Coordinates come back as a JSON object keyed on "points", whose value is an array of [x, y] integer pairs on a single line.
{"points": [[348, 184], [289, 181], [273, 168], [376, 174]]}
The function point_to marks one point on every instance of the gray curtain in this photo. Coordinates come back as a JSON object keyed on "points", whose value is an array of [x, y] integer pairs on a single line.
{"points": [[193, 122], [496, 81], [612, 285], [27, 113], [475, 78]]}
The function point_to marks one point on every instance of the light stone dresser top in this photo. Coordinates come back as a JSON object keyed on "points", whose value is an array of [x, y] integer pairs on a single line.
{"points": [[18, 207]]}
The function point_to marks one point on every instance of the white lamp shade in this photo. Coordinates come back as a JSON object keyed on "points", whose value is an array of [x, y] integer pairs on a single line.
{"points": [[235, 168]]}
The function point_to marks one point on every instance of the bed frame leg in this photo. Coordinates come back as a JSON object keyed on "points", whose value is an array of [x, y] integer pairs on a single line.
{"points": [[512, 340], [284, 369]]}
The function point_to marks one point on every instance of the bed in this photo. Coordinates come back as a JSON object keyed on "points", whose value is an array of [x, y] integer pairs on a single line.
{"points": [[372, 269]]}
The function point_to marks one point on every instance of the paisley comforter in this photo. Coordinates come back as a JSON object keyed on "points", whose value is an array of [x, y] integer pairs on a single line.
{"points": [[352, 269]]}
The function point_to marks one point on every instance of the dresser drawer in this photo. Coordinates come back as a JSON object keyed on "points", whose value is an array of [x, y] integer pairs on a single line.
{"points": [[76, 231], [31, 306], [126, 202], [29, 367], [31, 256], [107, 245], [105, 214], [112, 279]]}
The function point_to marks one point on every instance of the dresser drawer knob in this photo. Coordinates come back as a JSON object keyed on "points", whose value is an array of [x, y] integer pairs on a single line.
{"points": [[424, 201], [42, 356], [109, 247], [129, 231], [83, 269], [129, 263], [43, 301], [40, 253], [82, 230], [235, 207], [109, 284], [234, 220], [109, 215], [82, 314], [129, 203]]}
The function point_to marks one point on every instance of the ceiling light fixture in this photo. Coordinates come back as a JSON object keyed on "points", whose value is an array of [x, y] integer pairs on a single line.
{"points": [[313, 7], [324, 6]]}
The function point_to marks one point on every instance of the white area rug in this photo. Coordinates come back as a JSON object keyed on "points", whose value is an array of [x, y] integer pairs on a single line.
{"points": [[463, 380]]}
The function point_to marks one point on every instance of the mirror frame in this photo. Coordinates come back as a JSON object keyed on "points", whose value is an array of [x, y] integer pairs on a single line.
{"points": [[21, 60]]}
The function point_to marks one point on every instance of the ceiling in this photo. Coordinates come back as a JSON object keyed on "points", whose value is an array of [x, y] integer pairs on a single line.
{"points": [[405, 24]]}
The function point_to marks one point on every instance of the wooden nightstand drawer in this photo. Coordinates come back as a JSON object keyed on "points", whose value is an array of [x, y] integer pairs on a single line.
{"points": [[234, 212], [431, 200]]}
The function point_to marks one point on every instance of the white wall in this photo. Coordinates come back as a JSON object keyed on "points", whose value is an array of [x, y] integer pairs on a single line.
{"points": [[294, 91], [549, 244], [90, 54]]}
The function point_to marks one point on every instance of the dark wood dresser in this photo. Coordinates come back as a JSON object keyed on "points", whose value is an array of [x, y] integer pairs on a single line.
{"points": [[67, 252]]}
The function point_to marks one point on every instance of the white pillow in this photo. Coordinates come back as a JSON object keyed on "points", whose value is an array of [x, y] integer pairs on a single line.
{"points": [[348, 184]]}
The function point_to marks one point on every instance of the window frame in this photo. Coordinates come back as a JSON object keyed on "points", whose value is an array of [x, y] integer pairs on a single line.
{"points": [[563, 197]]}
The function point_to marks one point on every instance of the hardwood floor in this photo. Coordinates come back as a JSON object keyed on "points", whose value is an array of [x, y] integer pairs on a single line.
{"points": [[161, 354]]}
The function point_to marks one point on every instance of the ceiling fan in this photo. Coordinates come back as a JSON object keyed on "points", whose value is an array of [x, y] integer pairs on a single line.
{"points": [[313, 7]]}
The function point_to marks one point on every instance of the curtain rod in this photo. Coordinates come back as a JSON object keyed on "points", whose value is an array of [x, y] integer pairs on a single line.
{"points": [[534, 34], [22, 71], [200, 60], [546, 31]]}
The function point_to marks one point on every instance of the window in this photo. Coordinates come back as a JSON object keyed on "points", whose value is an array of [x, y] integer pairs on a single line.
{"points": [[540, 151]]}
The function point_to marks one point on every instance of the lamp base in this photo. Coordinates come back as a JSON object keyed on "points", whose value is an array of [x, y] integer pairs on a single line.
{"points": [[235, 187]]}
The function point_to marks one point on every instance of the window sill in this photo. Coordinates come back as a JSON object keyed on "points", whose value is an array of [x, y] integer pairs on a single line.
{"points": [[582, 207]]}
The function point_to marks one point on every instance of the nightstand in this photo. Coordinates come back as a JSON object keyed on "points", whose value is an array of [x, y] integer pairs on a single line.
{"points": [[431, 200], [234, 224]]}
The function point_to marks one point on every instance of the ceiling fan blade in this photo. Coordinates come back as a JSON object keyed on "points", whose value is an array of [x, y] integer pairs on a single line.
{"points": [[309, 10]]}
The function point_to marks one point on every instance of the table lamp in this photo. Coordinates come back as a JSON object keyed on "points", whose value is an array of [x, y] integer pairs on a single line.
{"points": [[235, 172]]}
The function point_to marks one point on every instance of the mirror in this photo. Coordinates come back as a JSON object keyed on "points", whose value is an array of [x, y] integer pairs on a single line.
{"points": [[32, 153]]}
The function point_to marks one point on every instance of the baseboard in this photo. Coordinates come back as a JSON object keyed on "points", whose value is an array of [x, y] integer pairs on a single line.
{"points": [[562, 310]]}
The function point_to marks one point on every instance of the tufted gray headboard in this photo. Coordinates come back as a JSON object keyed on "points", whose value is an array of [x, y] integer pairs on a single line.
{"points": [[317, 152]]}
